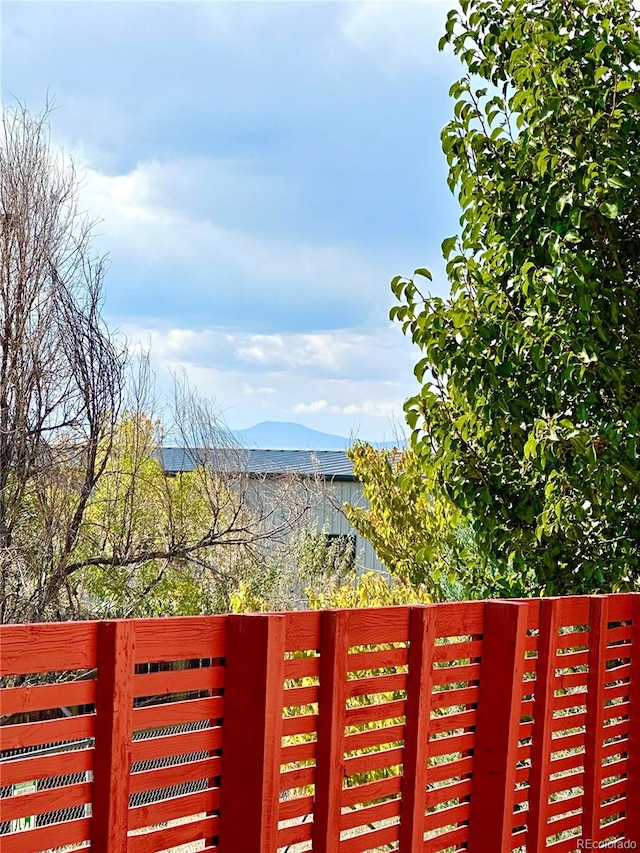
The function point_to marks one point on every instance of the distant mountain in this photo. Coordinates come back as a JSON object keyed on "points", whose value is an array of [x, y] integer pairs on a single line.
{"points": [[280, 435]]}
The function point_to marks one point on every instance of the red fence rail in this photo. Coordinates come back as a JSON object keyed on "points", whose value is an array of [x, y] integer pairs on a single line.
{"points": [[483, 726]]}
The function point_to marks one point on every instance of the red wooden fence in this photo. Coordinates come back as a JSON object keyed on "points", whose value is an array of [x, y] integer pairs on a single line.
{"points": [[484, 726]]}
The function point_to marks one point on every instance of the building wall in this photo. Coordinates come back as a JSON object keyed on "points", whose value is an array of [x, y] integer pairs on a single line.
{"points": [[318, 503], [326, 510]]}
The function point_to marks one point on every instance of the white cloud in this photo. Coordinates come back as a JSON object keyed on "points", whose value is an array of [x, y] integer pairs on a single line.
{"points": [[374, 408], [315, 406], [259, 392], [400, 37], [327, 350], [371, 408], [144, 228], [381, 353], [200, 187], [363, 393]]}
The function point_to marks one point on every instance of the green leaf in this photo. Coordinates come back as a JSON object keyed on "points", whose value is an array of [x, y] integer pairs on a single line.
{"points": [[448, 245], [616, 182], [609, 209], [424, 273], [397, 284]]}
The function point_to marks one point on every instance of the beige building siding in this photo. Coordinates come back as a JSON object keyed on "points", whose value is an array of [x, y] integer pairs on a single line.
{"points": [[289, 489], [325, 500], [327, 512]]}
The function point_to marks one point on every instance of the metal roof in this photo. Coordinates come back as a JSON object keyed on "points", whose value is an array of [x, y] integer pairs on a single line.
{"points": [[327, 464]]}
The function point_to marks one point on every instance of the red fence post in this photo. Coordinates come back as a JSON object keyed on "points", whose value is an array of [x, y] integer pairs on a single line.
{"points": [[334, 646], [252, 733], [114, 715], [632, 830], [497, 727], [416, 741], [594, 723], [542, 724]]}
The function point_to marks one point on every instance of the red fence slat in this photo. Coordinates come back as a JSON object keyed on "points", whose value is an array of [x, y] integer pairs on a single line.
{"points": [[633, 761], [334, 646], [45, 801], [252, 733], [47, 837], [41, 767], [543, 725], [419, 697], [48, 647], [182, 637], [48, 731], [162, 839], [173, 808], [594, 732], [497, 724], [112, 762], [19, 700]]}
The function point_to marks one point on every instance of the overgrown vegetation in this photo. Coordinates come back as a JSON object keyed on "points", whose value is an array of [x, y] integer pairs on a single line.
{"points": [[528, 418], [418, 533], [89, 523]]}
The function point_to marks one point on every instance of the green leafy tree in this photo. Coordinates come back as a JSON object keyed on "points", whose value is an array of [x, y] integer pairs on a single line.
{"points": [[370, 589], [158, 545], [419, 535], [145, 543], [528, 418], [288, 576]]}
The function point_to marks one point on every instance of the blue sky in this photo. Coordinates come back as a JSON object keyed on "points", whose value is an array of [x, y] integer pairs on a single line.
{"points": [[260, 170]]}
